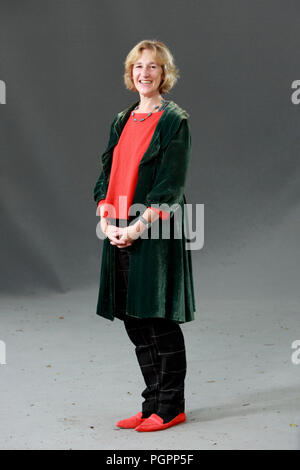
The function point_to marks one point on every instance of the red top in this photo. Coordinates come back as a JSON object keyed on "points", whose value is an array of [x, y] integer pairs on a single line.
{"points": [[133, 143]]}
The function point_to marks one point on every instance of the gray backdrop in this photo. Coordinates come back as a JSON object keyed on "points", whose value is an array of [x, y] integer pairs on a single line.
{"points": [[62, 62]]}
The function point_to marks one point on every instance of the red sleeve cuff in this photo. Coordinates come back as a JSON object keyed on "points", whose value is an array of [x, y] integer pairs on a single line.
{"points": [[105, 214]]}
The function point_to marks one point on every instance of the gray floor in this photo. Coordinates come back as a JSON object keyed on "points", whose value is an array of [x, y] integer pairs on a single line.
{"points": [[68, 380]]}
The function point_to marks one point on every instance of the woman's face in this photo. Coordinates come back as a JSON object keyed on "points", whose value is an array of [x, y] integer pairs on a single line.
{"points": [[147, 75]]}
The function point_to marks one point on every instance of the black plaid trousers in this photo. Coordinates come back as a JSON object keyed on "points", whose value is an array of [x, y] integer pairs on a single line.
{"points": [[160, 350]]}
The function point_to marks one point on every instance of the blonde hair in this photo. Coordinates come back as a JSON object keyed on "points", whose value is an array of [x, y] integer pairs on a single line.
{"points": [[162, 56]]}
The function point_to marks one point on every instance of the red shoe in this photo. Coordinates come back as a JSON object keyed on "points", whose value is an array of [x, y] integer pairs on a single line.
{"points": [[156, 423], [131, 422]]}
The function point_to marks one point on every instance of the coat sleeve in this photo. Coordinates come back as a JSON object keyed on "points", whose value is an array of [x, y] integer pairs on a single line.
{"points": [[171, 175], [101, 186]]}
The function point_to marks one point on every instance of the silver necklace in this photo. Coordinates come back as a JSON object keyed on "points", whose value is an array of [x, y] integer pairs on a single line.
{"points": [[163, 105]]}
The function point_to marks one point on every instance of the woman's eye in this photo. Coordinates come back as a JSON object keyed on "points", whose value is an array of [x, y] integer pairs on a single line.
{"points": [[152, 66]]}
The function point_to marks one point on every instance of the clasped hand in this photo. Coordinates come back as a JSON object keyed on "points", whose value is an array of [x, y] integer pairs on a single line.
{"points": [[120, 236]]}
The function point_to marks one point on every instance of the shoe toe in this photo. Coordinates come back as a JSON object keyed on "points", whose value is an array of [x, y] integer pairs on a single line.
{"points": [[131, 422]]}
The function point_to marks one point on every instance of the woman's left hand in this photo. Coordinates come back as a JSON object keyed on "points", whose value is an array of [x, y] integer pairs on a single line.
{"points": [[128, 235]]}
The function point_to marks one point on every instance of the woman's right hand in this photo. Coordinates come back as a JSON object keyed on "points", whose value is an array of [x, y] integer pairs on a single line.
{"points": [[111, 231]]}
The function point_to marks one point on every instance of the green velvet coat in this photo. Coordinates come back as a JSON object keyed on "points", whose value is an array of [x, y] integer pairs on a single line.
{"points": [[160, 278]]}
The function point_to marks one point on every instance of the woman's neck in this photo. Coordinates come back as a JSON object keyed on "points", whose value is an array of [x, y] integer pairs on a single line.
{"points": [[147, 105]]}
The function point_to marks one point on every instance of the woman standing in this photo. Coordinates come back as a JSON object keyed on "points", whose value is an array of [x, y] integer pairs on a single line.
{"points": [[146, 271]]}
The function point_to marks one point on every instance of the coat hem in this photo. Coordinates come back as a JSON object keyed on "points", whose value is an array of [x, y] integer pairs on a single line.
{"points": [[176, 319]]}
